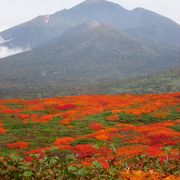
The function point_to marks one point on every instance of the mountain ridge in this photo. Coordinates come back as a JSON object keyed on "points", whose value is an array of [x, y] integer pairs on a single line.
{"points": [[39, 31]]}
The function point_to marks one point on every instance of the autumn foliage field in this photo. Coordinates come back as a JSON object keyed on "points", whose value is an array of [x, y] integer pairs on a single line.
{"points": [[91, 137]]}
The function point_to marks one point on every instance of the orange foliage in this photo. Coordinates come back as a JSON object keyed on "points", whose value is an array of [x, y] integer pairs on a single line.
{"points": [[103, 137], [2, 129], [9, 111], [66, 107], [131, 151], [84, 150], [37, 108], [44, 119], [137, 140], [39, 152], [141, 175], [96, 126], [64, 141], [155, 151], [66, 121], [24, 116], [113, 118], [161, 114], [178, 109], [73, 108]]}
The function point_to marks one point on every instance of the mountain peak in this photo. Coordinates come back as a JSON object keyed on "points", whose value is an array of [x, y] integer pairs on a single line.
{"points": [[94, 1], [102, 6], [139, 9]]}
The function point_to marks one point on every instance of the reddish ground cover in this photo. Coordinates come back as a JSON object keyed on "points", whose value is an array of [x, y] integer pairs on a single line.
{"points": [[135, 124]]}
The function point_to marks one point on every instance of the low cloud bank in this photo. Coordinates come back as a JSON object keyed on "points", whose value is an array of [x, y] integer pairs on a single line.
{"points": [[6, 51]]}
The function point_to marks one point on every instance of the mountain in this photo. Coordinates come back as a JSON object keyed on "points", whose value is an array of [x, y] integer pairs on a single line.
{"points": [[90, 53], [93, 43], [142, 23]]}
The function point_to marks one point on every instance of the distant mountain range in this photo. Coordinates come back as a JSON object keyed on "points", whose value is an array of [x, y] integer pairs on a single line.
{"points": [[94, 42]]}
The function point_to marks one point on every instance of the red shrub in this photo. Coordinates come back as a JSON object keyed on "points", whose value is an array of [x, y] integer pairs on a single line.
{"points": [[155, 151], [84, 150], [96, 126], [64, 141], [18, 145], [10, 111], [66, 107], [38, 152], [2, 130]]}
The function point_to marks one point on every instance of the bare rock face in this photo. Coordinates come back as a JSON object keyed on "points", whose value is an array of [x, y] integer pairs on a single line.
{"points": [[46, 19], [94, 24]]}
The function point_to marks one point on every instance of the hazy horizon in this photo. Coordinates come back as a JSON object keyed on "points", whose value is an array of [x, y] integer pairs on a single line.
{"points": [[12, 10]]}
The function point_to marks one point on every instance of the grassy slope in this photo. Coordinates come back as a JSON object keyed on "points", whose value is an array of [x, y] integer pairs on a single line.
{"points": [[164, 82]]}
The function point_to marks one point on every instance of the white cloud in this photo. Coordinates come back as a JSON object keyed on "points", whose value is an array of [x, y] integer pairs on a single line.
{"points": [[3, 41], [6, 51], [3, 27]]}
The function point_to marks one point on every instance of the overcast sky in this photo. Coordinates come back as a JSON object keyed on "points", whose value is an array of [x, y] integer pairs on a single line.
{"points": [[13, 12]]}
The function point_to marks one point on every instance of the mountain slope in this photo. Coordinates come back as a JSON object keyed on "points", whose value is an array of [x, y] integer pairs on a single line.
{"points": [[154, 27], [168, 81], [94, 53], [35, 32]]}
